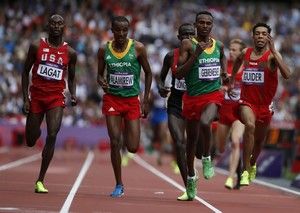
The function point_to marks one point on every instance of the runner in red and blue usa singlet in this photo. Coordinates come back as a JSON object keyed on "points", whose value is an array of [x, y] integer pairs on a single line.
{"points": [[49, 70]]}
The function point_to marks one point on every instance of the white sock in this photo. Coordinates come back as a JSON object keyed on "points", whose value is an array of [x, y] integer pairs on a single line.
{"points": [[189, 178], [206, 158]]}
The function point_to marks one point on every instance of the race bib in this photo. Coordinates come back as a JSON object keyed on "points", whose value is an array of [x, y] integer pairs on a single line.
{"points": [[209, 73], [50, 72], [253, 76], [180, 84], [121, 80]]}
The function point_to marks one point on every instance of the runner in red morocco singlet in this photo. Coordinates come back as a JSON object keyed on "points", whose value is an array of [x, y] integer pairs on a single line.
{"points": [[51, 61], [259, 84]]}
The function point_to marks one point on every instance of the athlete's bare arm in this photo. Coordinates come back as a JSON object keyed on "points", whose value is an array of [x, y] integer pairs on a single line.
{"points": [[30, 59], [276, 60], [168, 60], [71, 75], [187, 56], [143, 60], [101, 68], [223, 61]]}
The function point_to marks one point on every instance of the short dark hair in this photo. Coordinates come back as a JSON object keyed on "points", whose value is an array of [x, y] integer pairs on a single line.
{"points": [[204, 12], [261, 24], [118, 19], [184, 25]]}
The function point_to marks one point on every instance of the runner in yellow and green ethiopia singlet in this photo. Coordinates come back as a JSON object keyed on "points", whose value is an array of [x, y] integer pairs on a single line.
{"points": [[123, 70], [204, 76]]}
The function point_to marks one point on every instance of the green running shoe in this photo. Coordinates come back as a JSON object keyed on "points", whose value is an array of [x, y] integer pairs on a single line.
{"points": [[252, 173], [191, 188], [184, 197], [229, 183], [245, 179], [208, 169], [40, 188]]}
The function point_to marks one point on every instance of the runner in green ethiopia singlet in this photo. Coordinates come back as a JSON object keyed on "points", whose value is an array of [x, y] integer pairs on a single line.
{"points": [[204, 76], [123, 70]]}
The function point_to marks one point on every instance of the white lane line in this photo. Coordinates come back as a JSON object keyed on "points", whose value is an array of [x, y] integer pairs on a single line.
{"points": [[263, 183], [3, 149], [84, 169], [20, 162], [8, 209], [147, 166]]}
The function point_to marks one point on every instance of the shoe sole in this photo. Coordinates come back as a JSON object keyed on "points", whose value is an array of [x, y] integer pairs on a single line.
{"points": [[117, 196], [40, 192], [189, 199], [228, 187]]}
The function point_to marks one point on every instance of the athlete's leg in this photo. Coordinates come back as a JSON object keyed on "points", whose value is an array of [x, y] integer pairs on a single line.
{"points": [[53, 120], [207, 116], [33, 131], [177, 130], [261, 131], [236, 137], [132, 135], [114, 128], [222, 135], [192, 132], [248, 119]]}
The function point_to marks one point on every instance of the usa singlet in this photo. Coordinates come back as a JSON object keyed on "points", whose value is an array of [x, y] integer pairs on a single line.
{"points": [[259, 83], [49, 69], [123, 70]]}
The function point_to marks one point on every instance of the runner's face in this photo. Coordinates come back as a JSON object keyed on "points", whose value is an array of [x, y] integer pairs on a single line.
{"points": [[260, 37], [204, 24], [234, 51], [186, 32], [120, 31], [56, 25]]}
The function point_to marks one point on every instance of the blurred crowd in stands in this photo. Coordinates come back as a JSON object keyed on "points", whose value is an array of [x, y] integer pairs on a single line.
{"points": [[155, 24]]}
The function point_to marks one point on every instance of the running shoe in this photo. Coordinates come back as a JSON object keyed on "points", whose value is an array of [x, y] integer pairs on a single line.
{"points": [[208, 169], [229, 183], [125, 160], [175, 167], [184, 197], [118, 191], [252, 173], [40, 188], [245, 179], [191, 188]]}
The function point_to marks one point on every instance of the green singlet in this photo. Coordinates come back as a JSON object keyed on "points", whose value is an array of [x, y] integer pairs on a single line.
{"points": [[123, 70], [204, 76]]}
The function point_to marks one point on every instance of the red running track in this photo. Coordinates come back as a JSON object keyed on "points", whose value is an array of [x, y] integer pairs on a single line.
{"points": [[81, 181]]}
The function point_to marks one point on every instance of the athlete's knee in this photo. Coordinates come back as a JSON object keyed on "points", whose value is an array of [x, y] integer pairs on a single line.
{"points": [[180, 146], [205, 122], [32, 138], [249, 126]]}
